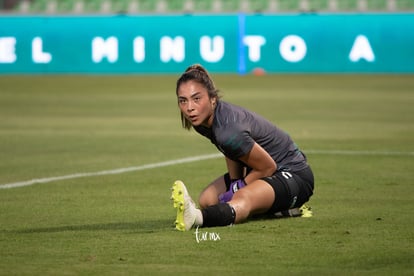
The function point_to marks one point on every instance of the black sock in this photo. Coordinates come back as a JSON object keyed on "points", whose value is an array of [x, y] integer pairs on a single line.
{"points": [[221, 214]]}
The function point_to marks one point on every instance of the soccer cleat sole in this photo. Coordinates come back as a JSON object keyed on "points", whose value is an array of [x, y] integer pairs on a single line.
{"points": [[177, 196]]}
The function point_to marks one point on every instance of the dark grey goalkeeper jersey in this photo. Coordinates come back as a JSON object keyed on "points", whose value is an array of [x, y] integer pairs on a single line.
{"points": [[235, 130]]}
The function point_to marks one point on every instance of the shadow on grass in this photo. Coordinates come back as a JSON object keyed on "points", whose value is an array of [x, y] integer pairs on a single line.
{"points": [[147, 226]]}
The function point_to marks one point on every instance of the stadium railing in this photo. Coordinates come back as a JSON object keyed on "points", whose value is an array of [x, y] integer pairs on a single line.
{"points": [[201, 6]]}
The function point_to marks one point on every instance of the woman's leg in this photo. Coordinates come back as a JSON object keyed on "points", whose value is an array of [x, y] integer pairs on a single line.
{"points": [[281, 192], [209, 196], [255, 198]]}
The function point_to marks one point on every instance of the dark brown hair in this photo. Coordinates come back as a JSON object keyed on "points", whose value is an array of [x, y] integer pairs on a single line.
{"points": [[197, 73]]}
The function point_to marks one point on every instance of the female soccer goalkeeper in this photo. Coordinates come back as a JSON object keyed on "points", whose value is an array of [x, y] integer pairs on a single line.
{"points": [[266, 172]]}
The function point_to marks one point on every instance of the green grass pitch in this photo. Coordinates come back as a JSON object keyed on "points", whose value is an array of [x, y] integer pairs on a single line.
{"points": [[357, 130]]}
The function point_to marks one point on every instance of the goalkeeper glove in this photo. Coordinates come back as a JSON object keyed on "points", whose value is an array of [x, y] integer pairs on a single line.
{"points": [[234, 187]]}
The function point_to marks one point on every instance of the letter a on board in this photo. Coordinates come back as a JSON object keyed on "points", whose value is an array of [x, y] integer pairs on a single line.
{"points": [[361, 50]]}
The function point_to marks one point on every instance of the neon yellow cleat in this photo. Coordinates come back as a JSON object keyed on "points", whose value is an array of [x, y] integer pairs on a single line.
{"points": [[306, 211], [186, 209]]}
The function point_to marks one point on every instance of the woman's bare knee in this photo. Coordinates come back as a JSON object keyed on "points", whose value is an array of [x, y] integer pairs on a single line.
{"points": [[241, 205], [209, 196], [255, 198]]}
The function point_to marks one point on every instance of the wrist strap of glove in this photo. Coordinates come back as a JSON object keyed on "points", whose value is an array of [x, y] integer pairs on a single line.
{"points": [[236, 185]]}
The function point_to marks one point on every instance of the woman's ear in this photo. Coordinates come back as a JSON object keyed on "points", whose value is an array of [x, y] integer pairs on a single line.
{"points": [[213, 101]]}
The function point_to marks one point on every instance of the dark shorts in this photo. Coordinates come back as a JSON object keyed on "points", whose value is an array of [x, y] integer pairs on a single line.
{"points": [[292, 189]]}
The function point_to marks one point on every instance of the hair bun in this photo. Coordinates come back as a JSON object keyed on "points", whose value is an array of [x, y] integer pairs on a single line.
{"points": [[196, 67]]}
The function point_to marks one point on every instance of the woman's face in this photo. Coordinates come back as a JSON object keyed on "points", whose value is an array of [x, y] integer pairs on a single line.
{"points": [[195, 103]]}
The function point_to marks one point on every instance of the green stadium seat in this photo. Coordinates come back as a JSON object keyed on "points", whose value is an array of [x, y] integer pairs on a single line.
{"points": [[120, 6], [230, 5], [147, 6], [22, 6], [318, 5], [66, 6], [288, 5], [93, 6], [347, 5], [258, 5], [39, 6], [175, 5], [376, 5], [203, 5], [405, 5]]}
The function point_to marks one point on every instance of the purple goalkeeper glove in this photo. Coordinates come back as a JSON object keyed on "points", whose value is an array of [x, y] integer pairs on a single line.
{"points": [[234, 187]]}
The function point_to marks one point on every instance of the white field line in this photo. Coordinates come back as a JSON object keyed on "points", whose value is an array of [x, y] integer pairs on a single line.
{"points": [[360, 152], [186, 160], [115, 171]]}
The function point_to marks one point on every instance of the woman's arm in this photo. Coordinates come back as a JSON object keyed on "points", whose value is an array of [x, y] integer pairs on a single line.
{"points": [[260, 161], [235, 169]]}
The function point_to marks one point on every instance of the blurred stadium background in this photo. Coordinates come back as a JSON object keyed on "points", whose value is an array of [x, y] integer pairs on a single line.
{"points": [[201, 6], [356, 128]]}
